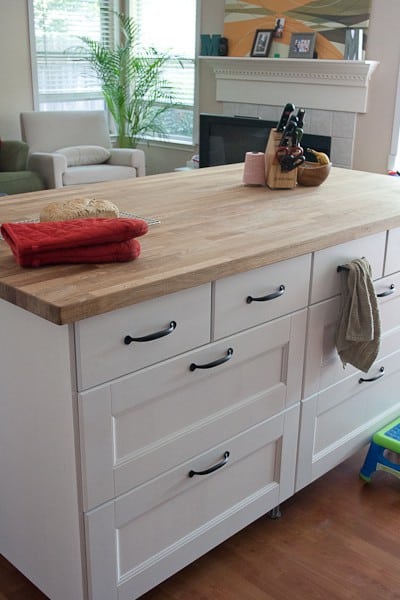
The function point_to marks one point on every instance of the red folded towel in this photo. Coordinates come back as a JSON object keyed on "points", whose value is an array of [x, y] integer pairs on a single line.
{"points": [[75, 241]]}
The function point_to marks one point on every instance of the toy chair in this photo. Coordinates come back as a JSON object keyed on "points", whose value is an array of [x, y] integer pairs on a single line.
{"points": [[387, 438]]}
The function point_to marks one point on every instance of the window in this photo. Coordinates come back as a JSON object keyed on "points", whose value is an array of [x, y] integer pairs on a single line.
{"points": [[173, 31], [64, 83]]}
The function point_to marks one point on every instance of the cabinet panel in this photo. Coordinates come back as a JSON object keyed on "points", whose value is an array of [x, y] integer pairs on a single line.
{"points": [[162, 526], [233, 312], [326, 279], [392, 262], [102, 354], [136, 427], [322, 364], [340, 420]]}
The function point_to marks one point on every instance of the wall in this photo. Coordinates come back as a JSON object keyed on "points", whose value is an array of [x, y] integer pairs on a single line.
{"points": [[15, 68], [373, 130], [375, 126]]}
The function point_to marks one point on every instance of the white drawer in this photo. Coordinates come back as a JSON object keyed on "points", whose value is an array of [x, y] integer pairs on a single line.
{"points": [[142, 425], [326, 279], [234, 312], [143, 537], [102, 353], [340, 420], [323, 366], [392, 262]]}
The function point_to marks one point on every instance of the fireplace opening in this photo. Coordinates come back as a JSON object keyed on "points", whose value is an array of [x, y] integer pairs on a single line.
{"points": [[224, 140]]}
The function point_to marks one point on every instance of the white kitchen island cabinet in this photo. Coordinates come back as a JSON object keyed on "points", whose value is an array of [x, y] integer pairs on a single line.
{"points": [[122, 458]]}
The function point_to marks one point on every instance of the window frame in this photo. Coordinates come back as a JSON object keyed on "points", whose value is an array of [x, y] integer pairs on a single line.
{"points": [[123, 5]]}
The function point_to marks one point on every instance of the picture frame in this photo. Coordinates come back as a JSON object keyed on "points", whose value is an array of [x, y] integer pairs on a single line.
{"points": [[261, 43], [302, 45]]}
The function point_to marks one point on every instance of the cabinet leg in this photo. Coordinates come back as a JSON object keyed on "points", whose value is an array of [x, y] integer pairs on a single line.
{"points": [[275, 513]]}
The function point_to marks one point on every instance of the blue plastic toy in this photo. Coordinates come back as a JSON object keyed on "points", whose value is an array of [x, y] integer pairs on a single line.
{"points": [[387, 438]]}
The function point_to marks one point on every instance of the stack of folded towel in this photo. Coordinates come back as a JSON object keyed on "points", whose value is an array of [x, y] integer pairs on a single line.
{"points": [[94, 240], [359, 328]]}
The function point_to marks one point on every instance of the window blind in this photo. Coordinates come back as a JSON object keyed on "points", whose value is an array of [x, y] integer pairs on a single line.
{"points": [[66, 82], [170, 27], [62, 80]]}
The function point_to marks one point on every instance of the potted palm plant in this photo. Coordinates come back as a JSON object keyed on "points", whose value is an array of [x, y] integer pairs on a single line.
{"points": [[132, 82]]}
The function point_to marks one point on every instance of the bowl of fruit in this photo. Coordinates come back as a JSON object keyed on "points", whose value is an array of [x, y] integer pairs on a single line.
{"points": [[314, 173]]}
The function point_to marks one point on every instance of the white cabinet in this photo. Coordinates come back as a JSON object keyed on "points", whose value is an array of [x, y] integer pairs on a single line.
{"points": [[140, 538], [237, 380], [152, 411], [342, 407], [325, 280]]}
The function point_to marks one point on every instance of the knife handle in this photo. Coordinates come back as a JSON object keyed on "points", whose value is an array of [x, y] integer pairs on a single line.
{"points": [[287, 111]]}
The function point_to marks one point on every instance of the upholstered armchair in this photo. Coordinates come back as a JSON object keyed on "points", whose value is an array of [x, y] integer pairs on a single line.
{"points": [[15, 178], [74, 147]]}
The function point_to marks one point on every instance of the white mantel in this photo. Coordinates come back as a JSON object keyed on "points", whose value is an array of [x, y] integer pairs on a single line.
{"points": [[337, 85]]}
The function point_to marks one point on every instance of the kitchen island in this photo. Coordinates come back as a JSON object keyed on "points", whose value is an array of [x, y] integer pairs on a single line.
{"points": [[122, 461]]}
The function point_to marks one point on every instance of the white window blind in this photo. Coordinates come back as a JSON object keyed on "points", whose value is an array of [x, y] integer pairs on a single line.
{"points": [[170, 26], [63, 82]]}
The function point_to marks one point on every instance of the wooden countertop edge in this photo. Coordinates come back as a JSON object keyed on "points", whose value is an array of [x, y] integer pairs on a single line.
{"points": [[76, 311]]}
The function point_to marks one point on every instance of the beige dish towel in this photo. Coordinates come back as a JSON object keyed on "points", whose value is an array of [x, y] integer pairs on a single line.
{"points": [[359, 328]]}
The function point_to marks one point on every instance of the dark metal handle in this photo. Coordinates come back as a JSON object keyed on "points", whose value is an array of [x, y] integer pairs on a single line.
{"points": [[152, 336], [382, 372], [391, 290], [280, 291], [213, 468], [215, 363]]}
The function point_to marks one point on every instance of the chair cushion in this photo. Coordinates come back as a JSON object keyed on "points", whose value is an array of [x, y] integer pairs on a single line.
{"points": [[96, 174], [84, 155]]}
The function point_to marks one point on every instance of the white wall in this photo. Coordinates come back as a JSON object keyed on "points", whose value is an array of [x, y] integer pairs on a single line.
{"points": [[373, 130], [15, 67]]}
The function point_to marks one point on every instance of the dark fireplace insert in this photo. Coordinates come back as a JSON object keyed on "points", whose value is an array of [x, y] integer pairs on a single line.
{"points": [[225, 140]]}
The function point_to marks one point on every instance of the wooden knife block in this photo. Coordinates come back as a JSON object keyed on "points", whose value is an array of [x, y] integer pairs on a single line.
{"points": [[275, 178]]}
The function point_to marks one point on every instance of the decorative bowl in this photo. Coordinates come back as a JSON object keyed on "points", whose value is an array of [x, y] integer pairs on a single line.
{"points": [[312, 173]]}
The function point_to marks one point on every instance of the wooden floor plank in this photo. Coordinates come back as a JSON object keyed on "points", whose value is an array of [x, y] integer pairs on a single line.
{"points": [[338, 539]]}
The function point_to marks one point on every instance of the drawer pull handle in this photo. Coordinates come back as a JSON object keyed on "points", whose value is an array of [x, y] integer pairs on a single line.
{"points": [[280, 292], [215, 363], [152, 336], [391, 290], [213, 468], [382, 372]]}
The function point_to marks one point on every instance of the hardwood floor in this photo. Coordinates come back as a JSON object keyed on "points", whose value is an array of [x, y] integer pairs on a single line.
{"points": [[338, 539]]}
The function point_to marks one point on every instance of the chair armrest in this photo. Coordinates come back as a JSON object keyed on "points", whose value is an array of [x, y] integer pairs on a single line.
{"points": [[129, 157], [13, 155], [49, 166]]}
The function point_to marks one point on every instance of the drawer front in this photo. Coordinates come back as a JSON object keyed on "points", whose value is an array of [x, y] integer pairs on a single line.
{"points": [[392, 262], [102, 354], [137, 427], [143, 537], [233, 312], [323, 366], [340, 420], [326, 279]]}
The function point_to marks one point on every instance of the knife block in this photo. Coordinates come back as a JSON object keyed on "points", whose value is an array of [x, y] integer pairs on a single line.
{"points": [[275, 178]]}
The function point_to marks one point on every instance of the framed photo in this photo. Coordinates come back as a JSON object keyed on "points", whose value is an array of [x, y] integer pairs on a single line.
{"points": [[302, 45], [262, 42]]}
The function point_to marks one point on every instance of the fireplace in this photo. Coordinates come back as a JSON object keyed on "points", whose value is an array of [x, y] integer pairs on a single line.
{"points": [[333, 92], [225, 140]]}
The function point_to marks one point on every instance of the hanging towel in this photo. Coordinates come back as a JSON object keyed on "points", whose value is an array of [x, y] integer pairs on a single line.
{"points": [[359, 328], [75, 241]]}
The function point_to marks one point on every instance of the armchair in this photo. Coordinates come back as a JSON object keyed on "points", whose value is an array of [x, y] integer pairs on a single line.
{"points": [[74, 147], [14, 175]]}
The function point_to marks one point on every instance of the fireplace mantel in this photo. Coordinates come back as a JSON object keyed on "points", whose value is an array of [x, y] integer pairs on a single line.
{"points": [[338, 85]]}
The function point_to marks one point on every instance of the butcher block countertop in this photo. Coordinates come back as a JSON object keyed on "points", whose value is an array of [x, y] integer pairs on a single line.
{"points": [[210, 226]]}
